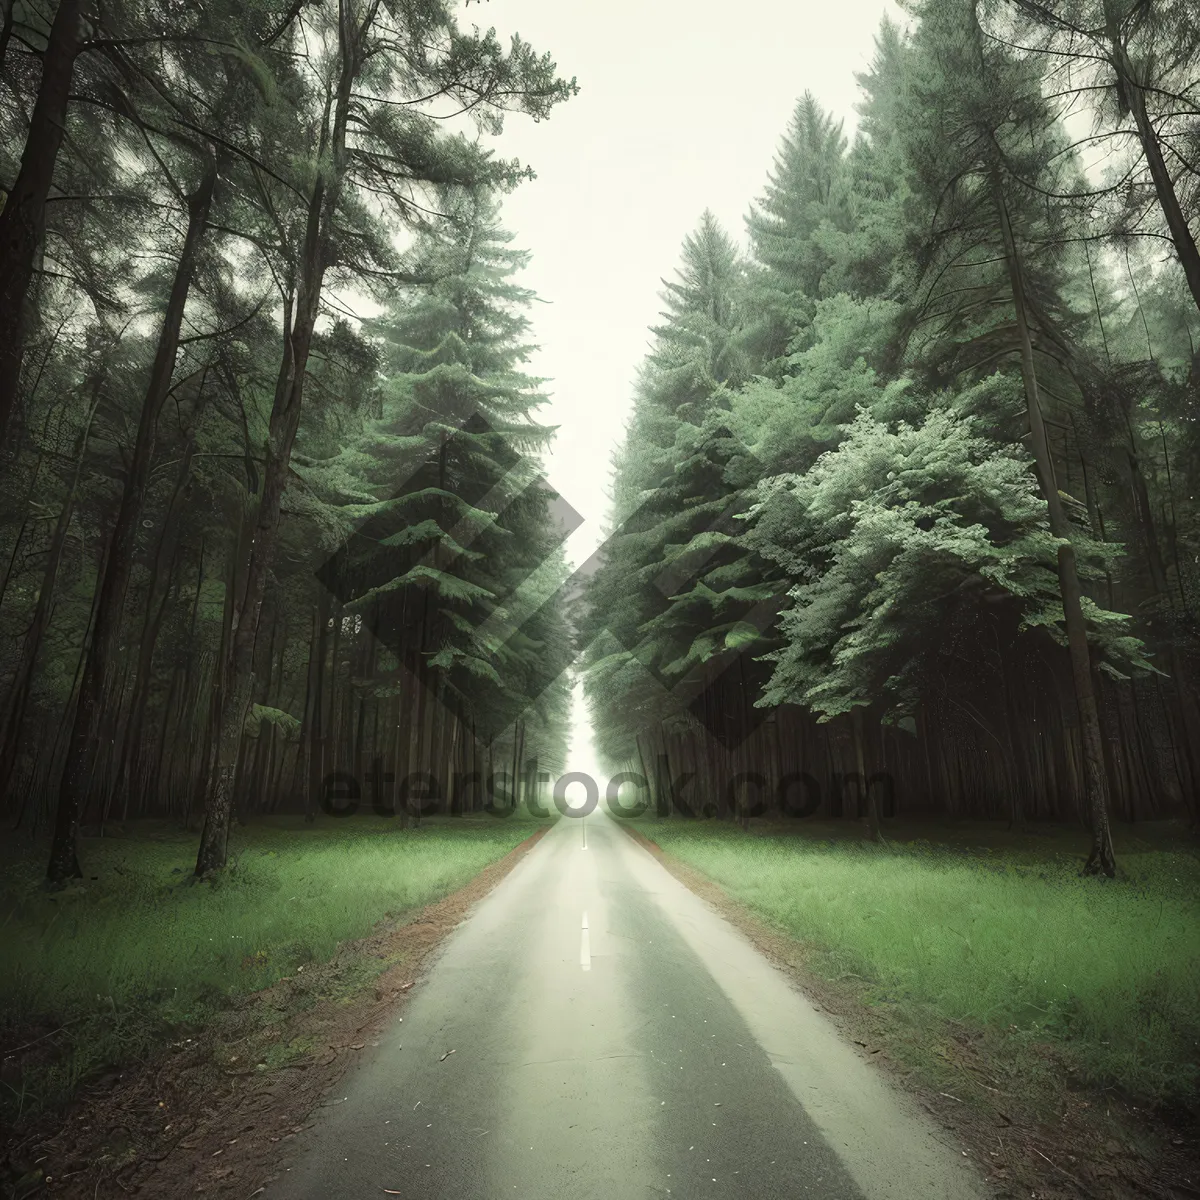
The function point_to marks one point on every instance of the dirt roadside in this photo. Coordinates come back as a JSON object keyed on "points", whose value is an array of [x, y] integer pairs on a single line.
{"points": [[209, 1115], [1090, 1145]]}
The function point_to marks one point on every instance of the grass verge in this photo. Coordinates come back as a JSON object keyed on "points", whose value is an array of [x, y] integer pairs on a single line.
{"points": [[141, 953]]}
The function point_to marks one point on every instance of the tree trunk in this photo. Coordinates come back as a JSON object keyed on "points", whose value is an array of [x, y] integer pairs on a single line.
{"points": [[1165, 622], [870, 797], [366, 666], [250, 799], [1164, 186], [168, 538], [23, 217], [333, 728], [314, 732], [23, 680], [401, 806], [206, 756], [522, 786], [25, 507], [416, 724], [115, 578], [143, 678], [1101, 856], [651, 779], [238, 670], [1016, 806], [306, 721]]}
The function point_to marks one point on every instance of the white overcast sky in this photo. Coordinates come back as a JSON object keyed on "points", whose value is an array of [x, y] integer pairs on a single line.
{"points": [[681, 107]]}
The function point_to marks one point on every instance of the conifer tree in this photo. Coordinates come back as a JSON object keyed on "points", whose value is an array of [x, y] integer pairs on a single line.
{"points": [[368, 145], [684, 618], [444, 488], [991, 135], [807, 199]]}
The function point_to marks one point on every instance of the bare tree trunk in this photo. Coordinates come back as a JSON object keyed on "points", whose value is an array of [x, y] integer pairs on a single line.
{"points": [[333, 727], [366, 657], [1165, 622], [23, 217], [115, 578], [412, 763], [869, 795], [168, 538], [23, 680], [310, 801], [651, 780], [402, 767], [212, 702], [314, 732], [132, 742], [250, 798], [1016, 806], [1101, 857], [237, 670], [26, 507], [520, 785]]}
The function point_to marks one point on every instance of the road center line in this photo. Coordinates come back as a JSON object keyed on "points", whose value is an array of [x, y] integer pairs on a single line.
{"points": [[585, 951]]}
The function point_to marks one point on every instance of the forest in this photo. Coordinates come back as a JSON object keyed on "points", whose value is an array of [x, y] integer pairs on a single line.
{"points": [[902, 537], [908, 493], [249, 539]]}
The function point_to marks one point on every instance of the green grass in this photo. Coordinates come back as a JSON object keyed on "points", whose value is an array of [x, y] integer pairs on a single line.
{"points": [[143, 951], [1001, 936]]}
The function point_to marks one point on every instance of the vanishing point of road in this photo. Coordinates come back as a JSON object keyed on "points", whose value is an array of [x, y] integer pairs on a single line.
{"points": [[614, 1038]]}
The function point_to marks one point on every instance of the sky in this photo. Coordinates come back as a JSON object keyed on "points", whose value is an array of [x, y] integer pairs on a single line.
{"points": [[681, 107]]}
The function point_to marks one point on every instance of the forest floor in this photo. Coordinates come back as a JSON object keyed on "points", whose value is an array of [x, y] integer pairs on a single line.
{"points": [[122, 1038], [1049, 1020]]}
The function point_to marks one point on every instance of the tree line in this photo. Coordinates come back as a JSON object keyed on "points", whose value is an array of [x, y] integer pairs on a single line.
{"points": [[249, 538], [909, 488]]}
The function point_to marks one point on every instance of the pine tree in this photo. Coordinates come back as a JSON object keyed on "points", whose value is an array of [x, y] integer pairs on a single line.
{"points": [[987, 135], [395, 147], [444, 490], [678, 483], [806, 201]]}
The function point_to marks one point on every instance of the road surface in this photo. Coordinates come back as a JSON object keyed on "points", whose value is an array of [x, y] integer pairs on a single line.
{"points": [[613, 1038]]}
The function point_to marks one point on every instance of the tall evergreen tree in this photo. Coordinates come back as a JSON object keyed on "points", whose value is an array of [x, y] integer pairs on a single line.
{"points": [[807, 199], [990, 139], [444, 489], [368, 145], [680, 480]]}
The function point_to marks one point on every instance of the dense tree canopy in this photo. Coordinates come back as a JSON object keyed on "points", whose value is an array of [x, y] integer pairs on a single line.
{"points": [[908, 488], [964, 481], [251, 538]]}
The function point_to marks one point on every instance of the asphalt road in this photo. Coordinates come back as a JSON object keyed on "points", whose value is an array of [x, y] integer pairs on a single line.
{"points": [[653, 1053]]}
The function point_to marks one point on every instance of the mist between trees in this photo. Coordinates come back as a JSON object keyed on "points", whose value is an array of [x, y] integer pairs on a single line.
{"points": [[909, 488]]}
